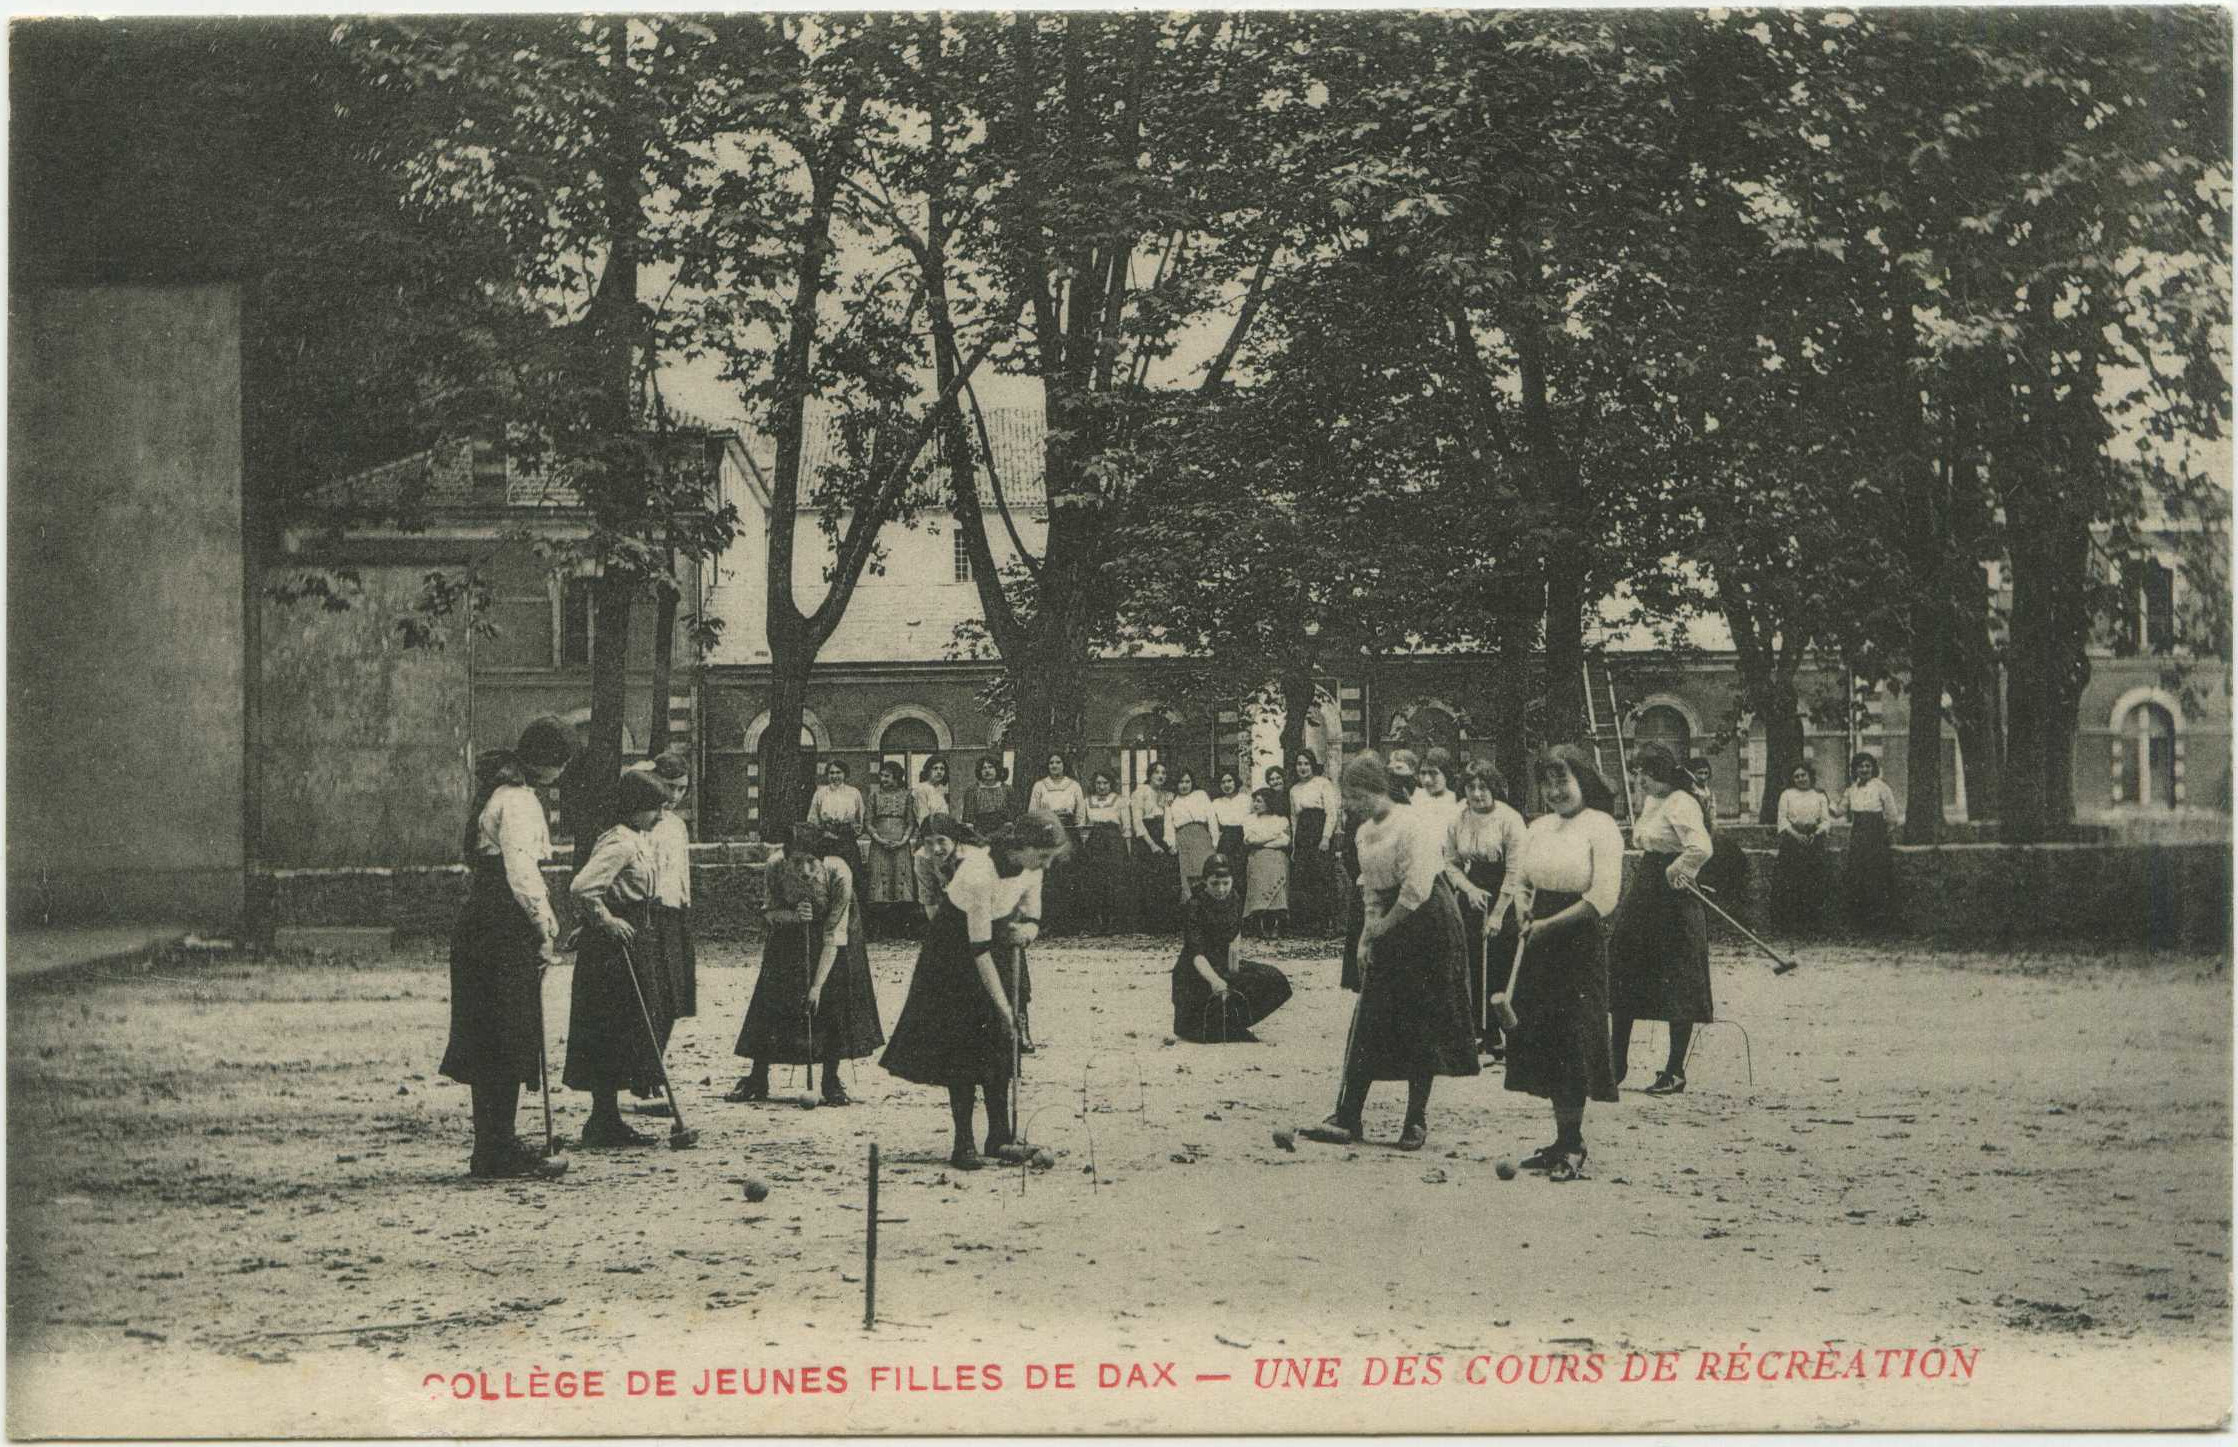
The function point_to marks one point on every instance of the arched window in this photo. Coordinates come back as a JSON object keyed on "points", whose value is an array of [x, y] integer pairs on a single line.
{"points": [[2146, 758], [1142, 741], [1426, 726], [908, 742], [1659, 723]]}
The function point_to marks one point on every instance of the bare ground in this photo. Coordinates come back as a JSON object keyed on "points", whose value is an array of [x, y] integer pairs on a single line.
{"points": [[236, 1204]]}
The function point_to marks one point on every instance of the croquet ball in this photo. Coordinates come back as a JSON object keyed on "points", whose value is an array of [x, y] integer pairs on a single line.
{"points": [[757, 1190], [1043, 1160], [1286, 1139], [1506, 1170]]}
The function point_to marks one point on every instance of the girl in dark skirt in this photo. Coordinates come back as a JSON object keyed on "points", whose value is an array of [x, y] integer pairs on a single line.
{"points": [[672, 886], [1659, 944], [1412, 1019], [1058, 792], [1573, 863], [1153, 851], [1102, 874], [1399, 771], [621, 984], [1314, 811], [1231, 809], [1483, 845], [1725, 877], [1868, 869], [959, 1028], [1216, 997], [813, 1003], [506, 934], [1799, 879]]}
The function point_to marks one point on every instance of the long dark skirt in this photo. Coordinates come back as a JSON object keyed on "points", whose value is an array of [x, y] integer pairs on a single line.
{"points": [[1232, 848], [496, 987], [1868, 871], [1255, 991], [674, 927], [1312, 894], [1489, 957], [1103, 879], [608, 1047], [1412, 1018], [1659, 949], [1799, 883], [949, 1032], [1153, 881], [1559, 1047], [778, 1030]]}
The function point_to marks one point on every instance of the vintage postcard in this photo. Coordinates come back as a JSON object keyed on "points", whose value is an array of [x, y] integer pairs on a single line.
{"points": [[1136, 722]]}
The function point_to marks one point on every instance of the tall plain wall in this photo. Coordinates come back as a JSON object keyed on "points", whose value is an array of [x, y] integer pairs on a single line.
{"points": [[363, 741], [126, 710]]}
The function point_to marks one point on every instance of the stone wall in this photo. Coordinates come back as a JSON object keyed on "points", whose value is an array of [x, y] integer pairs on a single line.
{"points": [[1980, 895]]}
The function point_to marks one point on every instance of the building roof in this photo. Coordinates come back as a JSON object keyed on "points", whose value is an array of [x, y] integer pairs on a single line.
{"points": [[457, 475], [1015, 434]]}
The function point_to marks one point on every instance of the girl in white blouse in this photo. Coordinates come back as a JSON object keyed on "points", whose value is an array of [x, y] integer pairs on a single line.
{"points": [[1799, 879], [1659, 944], [1483, 855], [506, 934], [1152, 848], [959, 1028], [619, 1008], [672, 885], [1411, 1022], [931, 791], [1058, 793], [1868, 869], [1192, 826], [1573, 865], [1315, 812]]}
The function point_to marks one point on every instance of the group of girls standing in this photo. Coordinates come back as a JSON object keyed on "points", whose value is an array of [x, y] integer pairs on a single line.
{"points": [[635, 975], [1804, 875], [1449, 885]]}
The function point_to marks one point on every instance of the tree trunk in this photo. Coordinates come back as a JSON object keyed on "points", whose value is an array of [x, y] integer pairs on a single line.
{"points": [[1564, 560], [664, 660], [1779, 712], [1515, 629], [588, 801], [1297, 710], [786, 784], [1923, 741]]}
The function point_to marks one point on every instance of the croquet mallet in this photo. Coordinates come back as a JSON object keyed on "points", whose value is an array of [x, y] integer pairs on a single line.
{"points": [[544, 1065], [1502, 1005], [1781, 964], [679, 1139]]}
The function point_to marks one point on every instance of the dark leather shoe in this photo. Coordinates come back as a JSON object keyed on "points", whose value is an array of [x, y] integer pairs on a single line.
{"points": [[613, 1135], [1414, 1136], [1667, 1084]]}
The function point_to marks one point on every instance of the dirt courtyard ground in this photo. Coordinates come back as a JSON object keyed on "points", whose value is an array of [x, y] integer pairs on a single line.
{"points": [[237, 1205]]}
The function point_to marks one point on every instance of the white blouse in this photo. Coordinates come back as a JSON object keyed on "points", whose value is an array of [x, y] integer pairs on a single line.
{"points": [[1673, 825], [620, 870], [931, 799], [1061, 797], [1873, 798], [512, 828], [1442, 807], [837, 804], [1231, 810], [839, 879], [1317, 793], [672, 861], [1581, 855], [1265, 831], [1803, 806], [1194, 807], [986, 898], [1143, 805], [1405, 851]]}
